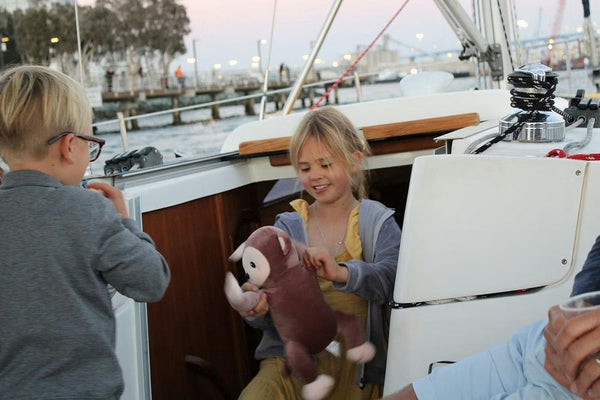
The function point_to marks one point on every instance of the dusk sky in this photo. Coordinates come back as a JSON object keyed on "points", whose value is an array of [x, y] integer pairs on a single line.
{"points": [[229, 29]]}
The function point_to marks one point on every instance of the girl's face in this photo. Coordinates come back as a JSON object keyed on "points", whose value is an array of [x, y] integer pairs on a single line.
{"points": [[322, 176]]}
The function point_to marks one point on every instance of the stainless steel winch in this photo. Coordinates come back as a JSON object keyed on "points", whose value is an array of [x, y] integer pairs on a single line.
{"points": [[532, 89]]}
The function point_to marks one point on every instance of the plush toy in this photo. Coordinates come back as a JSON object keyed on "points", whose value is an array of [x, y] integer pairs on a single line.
{"points": [[304, 321]]}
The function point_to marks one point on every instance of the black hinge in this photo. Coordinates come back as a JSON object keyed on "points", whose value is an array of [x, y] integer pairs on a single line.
{"points": [[394, 305]]}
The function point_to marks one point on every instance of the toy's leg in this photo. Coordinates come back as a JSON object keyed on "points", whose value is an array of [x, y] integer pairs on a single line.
{"points": [[349, 327], [359, 350], [318, 389], [316, 386], [298, 358]]}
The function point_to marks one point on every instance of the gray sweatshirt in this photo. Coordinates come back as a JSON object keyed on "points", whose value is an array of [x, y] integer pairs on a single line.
{"points": [[372, 279], [59, 248]]}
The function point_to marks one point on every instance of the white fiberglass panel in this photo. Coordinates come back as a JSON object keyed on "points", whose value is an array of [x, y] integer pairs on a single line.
{"points": [[428, 334], [477, 225], [128, 346]]}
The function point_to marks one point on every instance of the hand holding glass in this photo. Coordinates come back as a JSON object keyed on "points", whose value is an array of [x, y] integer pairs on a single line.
{"points": [[579, 305]]}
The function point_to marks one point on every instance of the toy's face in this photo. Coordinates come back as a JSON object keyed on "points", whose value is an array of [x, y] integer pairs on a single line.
{"points": [[256, 266]]}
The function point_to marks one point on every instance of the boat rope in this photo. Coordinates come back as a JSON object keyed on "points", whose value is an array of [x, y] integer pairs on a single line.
{"points": [[351, 67], [564, 152], [528, 94], [510, 57], [516, 127], [560, 153]]}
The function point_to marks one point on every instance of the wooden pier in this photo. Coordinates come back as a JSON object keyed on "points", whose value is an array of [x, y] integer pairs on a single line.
{"points": [[129, 100]]}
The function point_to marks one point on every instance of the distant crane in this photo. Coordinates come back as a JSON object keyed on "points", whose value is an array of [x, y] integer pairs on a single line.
{"points": [[555, 30], [387, 38], [539, 23]]}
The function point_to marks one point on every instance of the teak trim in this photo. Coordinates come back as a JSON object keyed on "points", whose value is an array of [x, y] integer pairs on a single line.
{"points": [[373, 133]]}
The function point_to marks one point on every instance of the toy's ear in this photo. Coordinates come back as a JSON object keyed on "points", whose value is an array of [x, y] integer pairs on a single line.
{"points": [[285, 242], [237, 254]]}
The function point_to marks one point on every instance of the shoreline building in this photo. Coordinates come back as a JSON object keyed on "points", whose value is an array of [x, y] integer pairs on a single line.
{"points": [[12, 5]]}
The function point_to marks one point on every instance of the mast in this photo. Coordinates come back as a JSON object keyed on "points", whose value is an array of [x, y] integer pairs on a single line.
{"points": [[490, 43], [78, 44], [590, 43], [588, 30], [295, 93]]}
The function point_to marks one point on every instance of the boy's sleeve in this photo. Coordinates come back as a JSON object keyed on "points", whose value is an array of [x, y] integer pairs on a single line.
{"points": [[588, 279], [128, 260], [375, 281]]}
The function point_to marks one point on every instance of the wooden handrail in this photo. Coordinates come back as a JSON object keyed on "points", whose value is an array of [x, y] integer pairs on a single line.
{"points": [[375, 132], [264, 146], [420, 126]]}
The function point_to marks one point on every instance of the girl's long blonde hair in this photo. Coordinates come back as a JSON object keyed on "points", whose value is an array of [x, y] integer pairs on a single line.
{"points": [[334, 131]]}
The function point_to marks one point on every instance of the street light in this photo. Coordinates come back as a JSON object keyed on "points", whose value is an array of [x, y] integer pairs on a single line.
{"points": [[5, 40], [192, 60], [216, 67], [258, 43], [195, 62], [53, 53]]}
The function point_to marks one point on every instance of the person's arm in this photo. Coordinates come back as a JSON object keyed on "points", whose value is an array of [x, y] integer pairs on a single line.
{"points": [[569, 343], [375, 281], [124, 255], [114, 195], [324, 264], [588, 279]]}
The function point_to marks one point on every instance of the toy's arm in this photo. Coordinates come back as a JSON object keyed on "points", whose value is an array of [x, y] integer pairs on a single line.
{"points": [[238, 299]]}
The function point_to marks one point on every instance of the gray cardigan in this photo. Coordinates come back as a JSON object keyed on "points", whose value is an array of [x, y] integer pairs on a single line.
{"points": [[60, 247], [372, 279]]}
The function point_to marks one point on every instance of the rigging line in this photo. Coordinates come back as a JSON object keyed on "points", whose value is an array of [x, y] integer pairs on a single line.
{"points": [[351, 67], [78, 44], [263, 100], [508, 44]]}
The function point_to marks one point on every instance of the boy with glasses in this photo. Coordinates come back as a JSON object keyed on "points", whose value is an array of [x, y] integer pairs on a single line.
{"points": [[61, 246]]}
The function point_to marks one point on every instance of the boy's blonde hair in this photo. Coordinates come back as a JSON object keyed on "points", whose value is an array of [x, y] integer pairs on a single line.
{"points": [[37, 103], [334, 131]]}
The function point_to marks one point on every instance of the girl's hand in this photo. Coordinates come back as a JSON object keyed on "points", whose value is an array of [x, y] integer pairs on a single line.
{"points": [[569, 343], [262, 307], [325, 265], [111, 193]]}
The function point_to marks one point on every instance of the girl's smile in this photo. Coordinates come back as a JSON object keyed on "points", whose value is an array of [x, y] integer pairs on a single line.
{"points": [[323, 176]]}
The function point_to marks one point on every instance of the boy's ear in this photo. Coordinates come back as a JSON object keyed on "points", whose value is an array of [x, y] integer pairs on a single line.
{"points": [[67, 148]]}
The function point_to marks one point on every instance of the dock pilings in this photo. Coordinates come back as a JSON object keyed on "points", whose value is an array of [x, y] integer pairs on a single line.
{"points": [[130, 100]]}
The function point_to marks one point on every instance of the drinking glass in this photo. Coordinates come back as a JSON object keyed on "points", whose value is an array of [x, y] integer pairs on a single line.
{"points": [[581, 304]]}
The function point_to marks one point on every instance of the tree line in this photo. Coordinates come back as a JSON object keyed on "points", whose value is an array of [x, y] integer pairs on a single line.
{"points": [[110, 31]]}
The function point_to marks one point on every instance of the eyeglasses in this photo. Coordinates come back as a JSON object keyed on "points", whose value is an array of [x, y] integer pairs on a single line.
{"points": [[94, 144]]}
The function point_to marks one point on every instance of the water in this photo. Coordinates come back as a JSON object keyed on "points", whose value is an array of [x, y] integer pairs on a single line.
{"points": [[200, 135]]}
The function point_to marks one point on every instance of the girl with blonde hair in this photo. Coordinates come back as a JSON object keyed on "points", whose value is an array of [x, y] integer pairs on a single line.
{"points": [[352, 244]]}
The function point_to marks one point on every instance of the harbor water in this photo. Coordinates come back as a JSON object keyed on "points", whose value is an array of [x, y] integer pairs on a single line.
{"points": [[200, 135]]}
